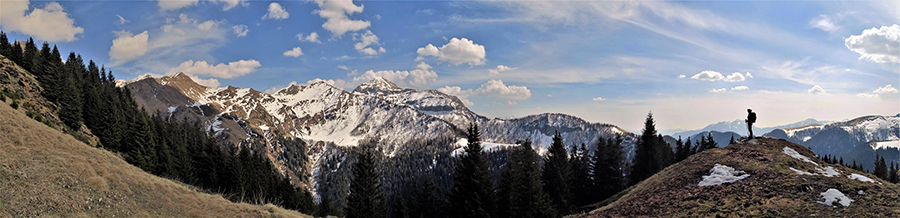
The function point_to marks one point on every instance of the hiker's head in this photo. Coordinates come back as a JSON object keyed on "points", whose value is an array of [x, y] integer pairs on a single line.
{"points": [[748, 110]]}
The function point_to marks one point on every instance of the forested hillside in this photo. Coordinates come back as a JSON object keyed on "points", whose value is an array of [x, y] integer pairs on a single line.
{"points": [[82, 94]]}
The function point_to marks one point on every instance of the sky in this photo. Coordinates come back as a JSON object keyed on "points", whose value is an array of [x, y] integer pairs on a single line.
{"points": [[690, 63]]}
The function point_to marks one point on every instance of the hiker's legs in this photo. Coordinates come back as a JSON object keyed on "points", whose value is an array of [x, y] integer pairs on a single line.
{"points": [[750, 129]]}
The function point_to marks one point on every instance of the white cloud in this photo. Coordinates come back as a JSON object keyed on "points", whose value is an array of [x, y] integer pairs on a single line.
{"points": [[879, 45], [296, 52], [229, 4], [335, 12], [492, 88], [866, 95], [343, 67], [739, 88], [167, 5], [365, 40], [276, 12], [177, 40], [824, 22], [211, 82], [426, 12], [800, 71], [749, 75], [457, 51], [241, 30], [599, 99], [50, 23], [884, 90], [121, 20], [312, 37], [420, 77], [500, 68], [708, 75], [682, 76], [717, 90], [128, 46], [735, 77], [816, 89], [221, 70], [511, 103]]}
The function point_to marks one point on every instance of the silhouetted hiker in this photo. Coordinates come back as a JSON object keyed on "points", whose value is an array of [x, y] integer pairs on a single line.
{"points": [[751, 118]]}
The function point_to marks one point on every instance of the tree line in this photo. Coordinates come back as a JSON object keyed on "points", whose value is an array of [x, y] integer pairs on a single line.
{"points": [[176, 149]]}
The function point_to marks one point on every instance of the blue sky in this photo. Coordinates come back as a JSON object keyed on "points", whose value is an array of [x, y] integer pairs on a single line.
{"points": [[691, 63]]}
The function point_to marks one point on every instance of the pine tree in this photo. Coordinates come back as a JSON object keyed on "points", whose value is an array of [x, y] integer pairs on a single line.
{"points": [[895, 173], [881, 170], [5, 47], [689, 149], [29, 56], [366, 198], [581, 177], [731, 142], [711, 143], [15, 54], [68, 89], [679, 150], [557, 176], [472, 194], [608, 176], [521, 192], [425, 201], [643, 154]]}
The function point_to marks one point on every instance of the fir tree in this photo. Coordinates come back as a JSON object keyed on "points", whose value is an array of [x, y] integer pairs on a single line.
{"points": [[711, 143], [881, 170], [366, 198], [472, 194], [521, 191], [608, 161], [557, 176], [579, 159], [731, 142], [689, 149], [651, 153], [425, 199], [895, 173], [5, 47]]}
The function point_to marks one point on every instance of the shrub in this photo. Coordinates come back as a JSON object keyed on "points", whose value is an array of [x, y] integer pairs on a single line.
{"points": [[80, 137], [2, 97], [15, 104]]}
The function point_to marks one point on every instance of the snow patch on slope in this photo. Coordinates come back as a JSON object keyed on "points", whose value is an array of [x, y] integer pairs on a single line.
{"points": [[485, 146], [720, 174], [832, 195], [862, 178], [895, 144], [801, 172], [793, 153]]}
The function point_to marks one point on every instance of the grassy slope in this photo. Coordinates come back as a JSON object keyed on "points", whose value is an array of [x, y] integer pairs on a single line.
{"points": [[772, 190], [44, 172]]}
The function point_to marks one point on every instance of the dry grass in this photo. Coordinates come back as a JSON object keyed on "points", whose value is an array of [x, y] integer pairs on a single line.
{"points": [[772, 190], [45, 173]]}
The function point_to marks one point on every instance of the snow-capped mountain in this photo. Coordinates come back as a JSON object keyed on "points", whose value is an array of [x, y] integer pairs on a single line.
{"points": [[737, 126], [839, 137], [328, 118]]}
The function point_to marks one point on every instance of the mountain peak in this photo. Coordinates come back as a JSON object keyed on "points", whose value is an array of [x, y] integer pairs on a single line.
{"points": [[378, 84]]}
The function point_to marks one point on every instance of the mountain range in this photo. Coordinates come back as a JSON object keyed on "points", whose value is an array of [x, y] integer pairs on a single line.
{"points": [[330, 119], [737, 126]]}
